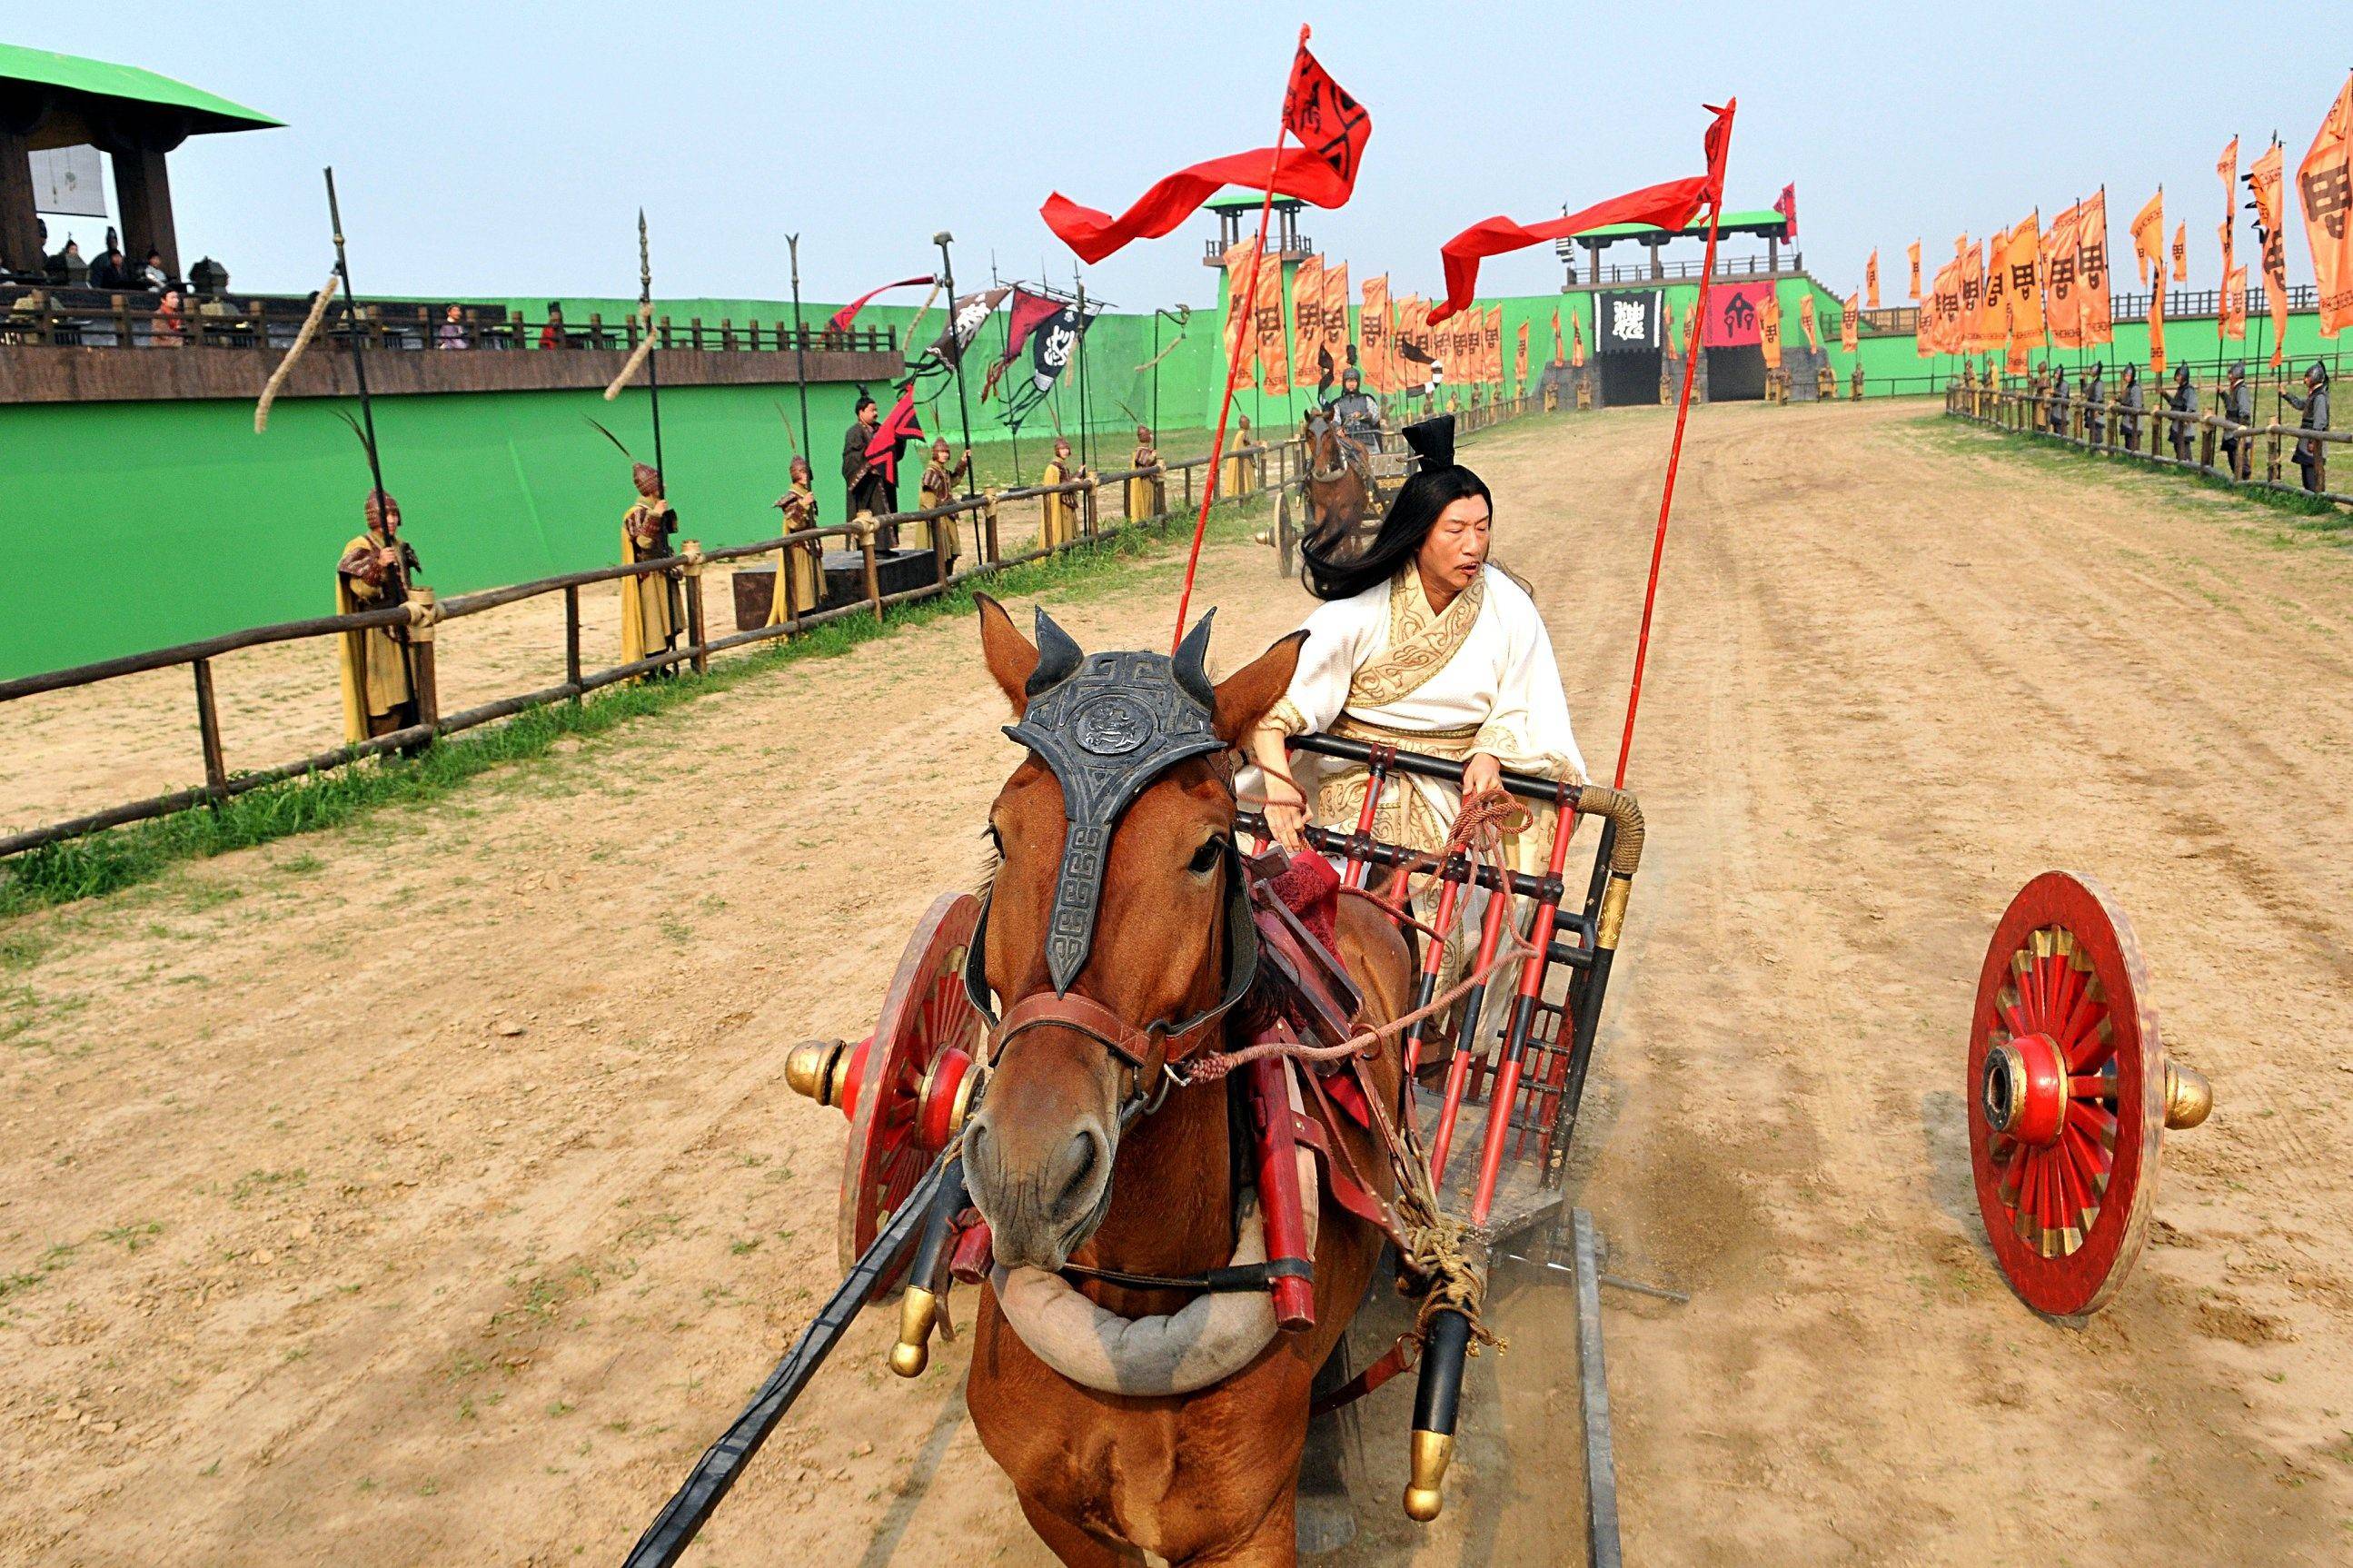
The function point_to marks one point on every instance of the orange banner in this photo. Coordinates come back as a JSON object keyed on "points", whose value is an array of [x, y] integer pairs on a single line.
{"points": [[1495, 344], [1850, 324], [1307, 320], [1520, 359], [2063, 302], [2181, 252], [1413, 329], [1577, 339], [1336, 316], [2227, 165], [1559, 343], [1993, 298], [1870, 280], [2092, 272], [1914, 251], [1241, 347], [2324, 181], [1971, 324], [1768, 331], [1266, 320], [1806, 320], [2022, 262], [1373, 335], [2148, 238], [2263, 179], [2234, 304]]}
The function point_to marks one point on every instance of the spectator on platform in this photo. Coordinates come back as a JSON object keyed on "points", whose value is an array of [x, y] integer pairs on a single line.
{"points": [[551, 336], [112, 271], [152, 276], [453, 335], [169, 330], [67, 269]]}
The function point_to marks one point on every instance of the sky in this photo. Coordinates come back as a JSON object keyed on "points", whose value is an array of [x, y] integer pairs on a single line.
{"points": [[504, 150]]}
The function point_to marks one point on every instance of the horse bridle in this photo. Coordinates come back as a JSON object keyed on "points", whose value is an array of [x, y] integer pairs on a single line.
{"points": [[1107, 725]]}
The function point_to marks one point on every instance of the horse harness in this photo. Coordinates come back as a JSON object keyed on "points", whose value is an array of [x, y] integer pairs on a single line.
{"points": [[1107, 725]]}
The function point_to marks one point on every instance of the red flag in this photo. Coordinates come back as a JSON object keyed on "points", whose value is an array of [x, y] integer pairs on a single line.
{"points": [[901, 425], [1331, 128], [1668, 207], [839, 320], [1787, 208]]}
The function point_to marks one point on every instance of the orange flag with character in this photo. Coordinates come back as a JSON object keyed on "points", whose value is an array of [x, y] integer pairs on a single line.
{"points": [[2324, 181], [2264, 180]]}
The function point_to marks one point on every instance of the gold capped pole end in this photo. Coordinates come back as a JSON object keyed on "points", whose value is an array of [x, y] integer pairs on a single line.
{"points": [[2189, 1098], [809, 1070], [1424, 1493], [918, 1312]]}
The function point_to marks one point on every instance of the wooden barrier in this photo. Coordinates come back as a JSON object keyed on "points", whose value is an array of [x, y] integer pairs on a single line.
{"points": [[221, 784]]}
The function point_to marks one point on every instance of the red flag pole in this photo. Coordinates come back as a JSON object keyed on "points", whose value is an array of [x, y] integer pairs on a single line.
{"points": [[1225, 406], [1675, 457]]}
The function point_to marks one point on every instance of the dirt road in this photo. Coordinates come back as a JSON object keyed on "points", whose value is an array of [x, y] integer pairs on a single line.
{"points": [[428, 1191]]}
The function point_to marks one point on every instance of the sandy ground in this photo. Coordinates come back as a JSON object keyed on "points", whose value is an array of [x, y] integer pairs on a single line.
{"points": [[428, 1190]]}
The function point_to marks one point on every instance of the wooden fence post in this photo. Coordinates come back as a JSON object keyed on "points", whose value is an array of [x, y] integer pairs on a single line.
{"points": [[208, 730], [422, 673], [866, 546], [989, 553], [692, 551], [572, 639]]}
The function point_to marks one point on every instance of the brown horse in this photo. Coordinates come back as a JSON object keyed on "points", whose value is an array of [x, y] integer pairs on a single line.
{"points": [[1338, 500], [1206, 1477]]}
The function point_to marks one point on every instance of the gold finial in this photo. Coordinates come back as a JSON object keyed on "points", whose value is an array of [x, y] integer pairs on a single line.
{"points": [[1424, 1496], [918, 1312], [2189, 1098]]}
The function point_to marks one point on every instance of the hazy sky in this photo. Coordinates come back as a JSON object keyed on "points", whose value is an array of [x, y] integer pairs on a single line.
{"points": [[488, 148]]}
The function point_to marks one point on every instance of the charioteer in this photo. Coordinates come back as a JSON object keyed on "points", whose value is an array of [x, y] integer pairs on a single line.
{"points": [[375, 572], [1422, 642]]}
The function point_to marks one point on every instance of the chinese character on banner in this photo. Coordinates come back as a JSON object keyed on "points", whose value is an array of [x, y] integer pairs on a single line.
{"points": [[1870, 280], [2263, 178], [1307, 319]]}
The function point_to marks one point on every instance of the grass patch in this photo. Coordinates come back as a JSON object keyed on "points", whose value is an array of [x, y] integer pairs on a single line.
{"points": [[102, 863]]}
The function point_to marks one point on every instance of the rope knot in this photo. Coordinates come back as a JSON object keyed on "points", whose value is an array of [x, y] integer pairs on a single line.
{"points": [[423, 613]]}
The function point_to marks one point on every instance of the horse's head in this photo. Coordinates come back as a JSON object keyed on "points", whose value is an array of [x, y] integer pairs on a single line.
{"points": [[1112, 913], [1319, 432]]}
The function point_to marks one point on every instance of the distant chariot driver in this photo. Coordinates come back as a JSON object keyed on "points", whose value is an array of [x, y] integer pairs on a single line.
{"points": [[1422, 643]]}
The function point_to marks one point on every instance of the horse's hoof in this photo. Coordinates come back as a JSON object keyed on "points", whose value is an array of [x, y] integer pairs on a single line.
{"points": [[1326, 1524]]}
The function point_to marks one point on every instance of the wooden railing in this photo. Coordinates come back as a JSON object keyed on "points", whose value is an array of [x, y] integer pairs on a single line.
{"points": [[134, 320], [2210, 442], [1182, 481]]}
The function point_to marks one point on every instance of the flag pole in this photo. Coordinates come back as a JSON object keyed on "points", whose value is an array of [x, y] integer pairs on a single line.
{"points": [[1675, 457], [1226, 403]]}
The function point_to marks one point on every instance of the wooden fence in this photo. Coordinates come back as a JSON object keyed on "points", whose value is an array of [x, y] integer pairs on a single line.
{"points": [[2146, 434], [1182, 481]]}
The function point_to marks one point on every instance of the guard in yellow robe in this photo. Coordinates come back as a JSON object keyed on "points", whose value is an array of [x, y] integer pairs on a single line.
{"points": [[1235, 471], [649, 612], [374, 573], [1146, 496], [1825, 382], [797, 564], [939, 484], [1060, 523]]}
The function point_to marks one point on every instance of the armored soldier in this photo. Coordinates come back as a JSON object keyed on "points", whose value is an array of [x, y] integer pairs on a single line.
{"points": [[938, 489], [1825, 382], [1147, 493], [650, 606], [2239, 410], [1855, 381], [2057, 423], [2182, 399], [2311, 454], [1059, 520], [2129, 400], [374, 573], [1358, 412], [798, 587], [2095, 394]]}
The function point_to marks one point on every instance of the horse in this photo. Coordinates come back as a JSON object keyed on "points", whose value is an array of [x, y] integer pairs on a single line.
{"points": [[1338, 498], [1089, 1149]]}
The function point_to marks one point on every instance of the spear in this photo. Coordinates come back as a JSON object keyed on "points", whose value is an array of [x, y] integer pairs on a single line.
{"points": [[350, 324], [646, 305]]}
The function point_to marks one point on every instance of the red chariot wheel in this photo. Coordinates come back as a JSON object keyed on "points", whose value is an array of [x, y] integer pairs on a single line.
{"points": [[906, 1087], [2069, 1092]]}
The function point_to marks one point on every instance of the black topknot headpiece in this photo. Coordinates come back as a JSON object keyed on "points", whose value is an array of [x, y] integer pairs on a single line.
{"points": [[1432, 441]]}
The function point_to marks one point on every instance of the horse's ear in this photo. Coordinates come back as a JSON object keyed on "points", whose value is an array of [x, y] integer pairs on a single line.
{"points": [[1012, 658], [1245, 697]]}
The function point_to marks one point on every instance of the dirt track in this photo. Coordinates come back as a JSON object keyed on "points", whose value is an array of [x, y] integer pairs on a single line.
{"points": [[304, 1257]]}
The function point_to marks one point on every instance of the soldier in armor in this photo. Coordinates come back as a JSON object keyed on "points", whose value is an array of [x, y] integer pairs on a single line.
{"points": [[1358, 412], [374, 573], [1825, 382], [800, 579], [2239, 409], [650, 601], [2312, 455], [1855, 381], [2057, 423], [2182, 398], [2128, 399], [2092, 394]]}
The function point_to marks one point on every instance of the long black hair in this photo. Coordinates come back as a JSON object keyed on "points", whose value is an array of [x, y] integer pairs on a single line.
{"points": [[1334, 573]]}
